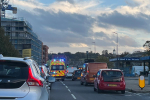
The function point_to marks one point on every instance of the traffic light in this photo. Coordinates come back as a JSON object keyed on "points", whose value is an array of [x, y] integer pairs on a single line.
{"points": [[67, 66]]}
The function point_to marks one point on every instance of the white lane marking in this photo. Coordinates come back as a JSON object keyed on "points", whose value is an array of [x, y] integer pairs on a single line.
{"points": [[66, 86], [73, 96], [138, 94], [69, 90], [128, 95]]}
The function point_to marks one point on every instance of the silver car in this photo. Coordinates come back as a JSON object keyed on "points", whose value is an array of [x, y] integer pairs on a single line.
{"points": [[20, 79]]}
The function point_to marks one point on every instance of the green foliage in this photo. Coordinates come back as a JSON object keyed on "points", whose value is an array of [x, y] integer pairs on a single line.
{"points": [[124, 54], [104, 59], [6, 48]]}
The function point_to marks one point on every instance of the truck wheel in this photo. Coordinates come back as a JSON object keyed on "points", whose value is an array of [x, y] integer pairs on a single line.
{"points": [[63, 79]]}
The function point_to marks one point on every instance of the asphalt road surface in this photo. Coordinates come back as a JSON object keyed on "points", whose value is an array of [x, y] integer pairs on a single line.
{"points": [[72, 90]]}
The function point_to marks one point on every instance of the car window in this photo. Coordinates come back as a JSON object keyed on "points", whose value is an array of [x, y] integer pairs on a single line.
{"points": [[13, 69], [57, 67], [111, 73]]}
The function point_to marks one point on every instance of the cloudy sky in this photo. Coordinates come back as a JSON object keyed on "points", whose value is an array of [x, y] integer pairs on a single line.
{"points": [[72, 25]]}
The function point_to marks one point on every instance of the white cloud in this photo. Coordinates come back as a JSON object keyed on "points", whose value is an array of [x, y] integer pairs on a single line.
{"points": [[77, 45], [93, 9]]}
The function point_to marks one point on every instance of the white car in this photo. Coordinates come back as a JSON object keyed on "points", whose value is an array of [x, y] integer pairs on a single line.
{"points": [[20, 79], [70, 70]]}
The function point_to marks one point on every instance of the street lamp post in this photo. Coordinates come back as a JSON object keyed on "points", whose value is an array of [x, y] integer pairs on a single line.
{"points": [[90, 53], [117, 48], [94, 46]]}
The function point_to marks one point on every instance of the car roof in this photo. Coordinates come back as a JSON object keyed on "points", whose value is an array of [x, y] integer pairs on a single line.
{"points": [[111, 69], [95, 62], [16, 59]]}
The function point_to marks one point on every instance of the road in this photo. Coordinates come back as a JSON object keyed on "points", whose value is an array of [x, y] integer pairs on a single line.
{"points": [[72, 90]]}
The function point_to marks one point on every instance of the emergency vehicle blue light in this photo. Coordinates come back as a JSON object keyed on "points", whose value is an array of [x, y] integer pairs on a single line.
{"points": [[83, 65], [62, 60], [54, 60]]}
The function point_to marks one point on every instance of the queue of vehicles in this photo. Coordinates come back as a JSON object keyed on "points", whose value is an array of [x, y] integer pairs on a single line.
{"points": [[23, 78], [101, 76]]}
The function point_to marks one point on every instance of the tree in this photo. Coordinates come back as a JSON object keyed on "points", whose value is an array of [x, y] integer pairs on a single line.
{"points": [[6, 47], [147, 47], [124, 54], [106, 60]]}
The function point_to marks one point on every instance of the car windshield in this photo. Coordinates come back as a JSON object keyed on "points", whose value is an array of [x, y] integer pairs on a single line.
{"points": [[78, 72], [13, 69], [57, 67]]}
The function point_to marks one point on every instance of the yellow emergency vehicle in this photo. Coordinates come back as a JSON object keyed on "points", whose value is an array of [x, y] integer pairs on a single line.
{"points": [[58, 68]]}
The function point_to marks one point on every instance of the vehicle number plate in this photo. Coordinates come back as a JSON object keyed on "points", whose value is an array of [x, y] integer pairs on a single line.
{"points": [[79, 78], [112, 85], [92, 79]]}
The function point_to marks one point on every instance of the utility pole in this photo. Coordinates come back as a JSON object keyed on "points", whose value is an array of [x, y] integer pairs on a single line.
{"points": [[117, 48], [90, 53], [94, 47]]}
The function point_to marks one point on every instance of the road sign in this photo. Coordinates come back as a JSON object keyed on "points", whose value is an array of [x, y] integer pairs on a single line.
{"points": [[141, 81]]}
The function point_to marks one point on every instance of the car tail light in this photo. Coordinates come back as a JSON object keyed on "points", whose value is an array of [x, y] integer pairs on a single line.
{"points": [[102, 78], [81, 74], [42, 70], [121, 79], [32, 81], [87, 71]]}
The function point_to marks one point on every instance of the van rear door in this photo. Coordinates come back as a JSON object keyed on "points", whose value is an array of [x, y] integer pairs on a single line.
{"points": [[93, 68]]}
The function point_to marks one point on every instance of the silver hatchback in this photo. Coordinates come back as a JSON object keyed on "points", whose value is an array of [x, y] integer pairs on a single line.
{"points": [[20, 79]]}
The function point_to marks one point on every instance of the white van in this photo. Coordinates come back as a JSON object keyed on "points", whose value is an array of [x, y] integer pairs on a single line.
{"points": [[70, 70], [137, 69]]}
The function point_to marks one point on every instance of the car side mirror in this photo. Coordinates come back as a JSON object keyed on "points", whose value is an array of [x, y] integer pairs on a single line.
{"points": [[94, 76], [51, 79]]}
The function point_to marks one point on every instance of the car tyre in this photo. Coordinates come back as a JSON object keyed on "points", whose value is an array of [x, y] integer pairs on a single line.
{"points": [[72, 79], [94, 89], [123, 91], [99, 90], [81, 83], [51, 87]]}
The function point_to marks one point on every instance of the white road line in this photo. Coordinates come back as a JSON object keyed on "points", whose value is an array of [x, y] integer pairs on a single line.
{"points": [[128, 95], [66, 86], [69, 90], [73, 96], [138, 94]]}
